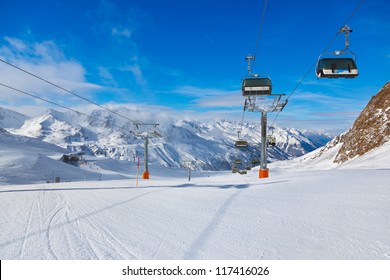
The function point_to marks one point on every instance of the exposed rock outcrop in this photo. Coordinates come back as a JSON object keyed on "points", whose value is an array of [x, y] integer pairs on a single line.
{"points": [[370, 130]]}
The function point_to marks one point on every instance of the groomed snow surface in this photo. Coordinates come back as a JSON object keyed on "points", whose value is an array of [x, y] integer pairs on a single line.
{"points": [[296, 213]]}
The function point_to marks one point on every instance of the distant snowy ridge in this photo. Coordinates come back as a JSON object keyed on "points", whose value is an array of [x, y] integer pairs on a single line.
{"points": [[208, 146]]}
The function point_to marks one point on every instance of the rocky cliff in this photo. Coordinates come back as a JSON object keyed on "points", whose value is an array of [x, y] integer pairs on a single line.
{"points": [[370, 130]]}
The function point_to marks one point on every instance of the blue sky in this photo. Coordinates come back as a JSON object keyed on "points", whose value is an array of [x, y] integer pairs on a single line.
{"points": [[187, 57]]}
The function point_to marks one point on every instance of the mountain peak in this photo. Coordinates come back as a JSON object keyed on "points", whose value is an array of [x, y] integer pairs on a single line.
{"points": [[11, 119], [370, 130]]}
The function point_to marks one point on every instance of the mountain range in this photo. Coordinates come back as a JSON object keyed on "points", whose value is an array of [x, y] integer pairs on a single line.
{"points": [[206, 146], [32, 146]]}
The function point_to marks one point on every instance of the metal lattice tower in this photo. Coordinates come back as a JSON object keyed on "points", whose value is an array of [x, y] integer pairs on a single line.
{"points": [[264, 104], [149, 132], [259, 100]]}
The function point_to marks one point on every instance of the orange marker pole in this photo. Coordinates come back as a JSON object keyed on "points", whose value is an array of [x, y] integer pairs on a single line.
{"points": [[137, 171]]}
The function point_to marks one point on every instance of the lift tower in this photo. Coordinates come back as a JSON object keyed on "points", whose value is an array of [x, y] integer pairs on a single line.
{"points": [[257, 90], [146, 131]]}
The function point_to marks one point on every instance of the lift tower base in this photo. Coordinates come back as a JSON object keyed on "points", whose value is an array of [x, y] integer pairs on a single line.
{"points": [[145, 175], [263, 173]]}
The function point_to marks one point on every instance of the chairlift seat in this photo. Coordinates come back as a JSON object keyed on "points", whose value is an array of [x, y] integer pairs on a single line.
{"points": [[337, 68], [241, 144], [237, 161], [271, 140], [256, 86]]}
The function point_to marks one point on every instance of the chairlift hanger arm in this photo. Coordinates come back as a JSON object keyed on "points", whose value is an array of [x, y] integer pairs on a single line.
{"points": [[345, 29], [248, 58]]}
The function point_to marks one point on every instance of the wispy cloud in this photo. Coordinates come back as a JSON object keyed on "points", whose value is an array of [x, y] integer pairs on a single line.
{"points": [[202, 92], [107, 77], [121, 31], [210, 97], [319, 98], [117, 21], [229, 100], [46, 60], [136, 70]]}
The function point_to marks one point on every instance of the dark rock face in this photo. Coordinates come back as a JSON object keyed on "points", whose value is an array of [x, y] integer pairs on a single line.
{"points": [[370, 130]]}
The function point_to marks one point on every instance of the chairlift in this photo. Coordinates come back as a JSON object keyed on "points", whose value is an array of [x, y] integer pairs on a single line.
{"points": [[271, 140], [339, 64], [255, 161], [334, 66], [255, 85], [237, 161], [241, 144]]}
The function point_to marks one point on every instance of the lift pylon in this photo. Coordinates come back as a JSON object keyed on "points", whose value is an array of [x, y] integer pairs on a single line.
{"points": [[264, 102], [149, 133]]}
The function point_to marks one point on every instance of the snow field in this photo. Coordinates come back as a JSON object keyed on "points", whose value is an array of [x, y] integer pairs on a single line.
{"points": [[294, 214]]}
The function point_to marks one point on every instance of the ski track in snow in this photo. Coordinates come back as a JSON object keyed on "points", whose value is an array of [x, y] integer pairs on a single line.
{"points": [[205, 234], [113, 242], [27, 230], [340, 214]]}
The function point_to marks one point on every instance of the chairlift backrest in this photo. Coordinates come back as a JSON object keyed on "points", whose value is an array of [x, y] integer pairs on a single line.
{"points": [[256, 86], [241, 144], [336, 66]]}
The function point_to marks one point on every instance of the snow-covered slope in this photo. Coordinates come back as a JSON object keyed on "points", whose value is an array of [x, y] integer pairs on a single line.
{"points": [[294, 214], [323, 159], [11, 119], [25, 160], [300, 212]]}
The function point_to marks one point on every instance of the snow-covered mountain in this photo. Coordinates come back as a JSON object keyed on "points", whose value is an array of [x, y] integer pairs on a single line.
{"points": [[208, 146], [11, 119]]}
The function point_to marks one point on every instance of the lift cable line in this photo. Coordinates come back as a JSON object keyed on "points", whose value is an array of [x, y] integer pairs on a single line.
{"points": [[260, 31], [340, 63], [64, 89], [59, 105], [315, 63], [145, 135]]}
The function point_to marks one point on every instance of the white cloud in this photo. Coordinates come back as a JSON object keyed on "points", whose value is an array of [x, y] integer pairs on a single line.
{"points": [[43, 59], [121, 31], [137, 73], [202, 92], [320, 98], [227, 100], [209, 97], [107, 77]]}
